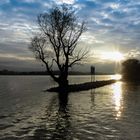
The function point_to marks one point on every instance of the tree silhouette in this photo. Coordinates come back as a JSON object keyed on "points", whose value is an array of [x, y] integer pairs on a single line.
{"points": [[131, 69], [56, 45]]}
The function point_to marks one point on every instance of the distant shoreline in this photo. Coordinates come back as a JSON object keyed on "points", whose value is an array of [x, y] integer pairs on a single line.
{"points": [[6, 72]]}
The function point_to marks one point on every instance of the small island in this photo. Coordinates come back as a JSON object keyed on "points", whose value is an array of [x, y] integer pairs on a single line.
{"points": [[83, 86]]}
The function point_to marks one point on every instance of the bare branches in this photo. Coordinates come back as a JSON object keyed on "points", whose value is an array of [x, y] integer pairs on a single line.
{"points": [[60, 32], [38, 47], [75, 59]]}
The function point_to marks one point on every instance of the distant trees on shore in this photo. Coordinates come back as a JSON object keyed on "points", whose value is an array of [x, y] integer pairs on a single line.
{"points": [[131, 70]]}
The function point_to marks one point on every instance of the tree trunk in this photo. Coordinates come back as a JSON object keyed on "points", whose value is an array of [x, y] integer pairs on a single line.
{"points": [[63, 83]]}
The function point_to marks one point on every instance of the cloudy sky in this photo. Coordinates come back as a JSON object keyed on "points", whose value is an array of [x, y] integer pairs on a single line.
{"points": [[113, 31]]}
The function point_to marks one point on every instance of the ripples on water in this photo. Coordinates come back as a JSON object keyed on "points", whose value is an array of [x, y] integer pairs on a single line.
{"points": [[107, 113]]}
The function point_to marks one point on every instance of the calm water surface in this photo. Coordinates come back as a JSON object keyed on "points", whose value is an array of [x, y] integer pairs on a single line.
{"points": [[111, 112]]}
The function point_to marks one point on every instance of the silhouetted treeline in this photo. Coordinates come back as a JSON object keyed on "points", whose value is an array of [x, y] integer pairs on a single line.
{"points": [[131, 70], [7, 72]]}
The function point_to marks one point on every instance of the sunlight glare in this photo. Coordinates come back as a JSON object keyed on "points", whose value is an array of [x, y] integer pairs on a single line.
{"points": [[114, 56], [117, 92], [116, 76]]}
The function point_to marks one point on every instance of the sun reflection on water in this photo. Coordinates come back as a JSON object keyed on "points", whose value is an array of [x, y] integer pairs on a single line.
{"points": [[116, 76], [117, 98]]}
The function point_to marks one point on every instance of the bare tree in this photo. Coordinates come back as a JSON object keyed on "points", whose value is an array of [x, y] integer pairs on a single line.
{"points": [[57, 43]]}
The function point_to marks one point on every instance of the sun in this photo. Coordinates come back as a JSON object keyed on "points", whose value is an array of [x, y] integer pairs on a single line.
{"points": [[113, 56]]}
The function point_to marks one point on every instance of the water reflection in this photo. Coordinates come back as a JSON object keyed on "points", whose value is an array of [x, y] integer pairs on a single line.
{"points": [[63, 100], [58, 125], [116, 76], [92, 97], [117, 98]]}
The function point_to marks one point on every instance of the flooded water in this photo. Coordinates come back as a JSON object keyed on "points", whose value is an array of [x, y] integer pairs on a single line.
{"points": [[111, 112]]}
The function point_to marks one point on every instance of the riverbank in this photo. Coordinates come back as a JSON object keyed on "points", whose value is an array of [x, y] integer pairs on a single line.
{"points": [[84, 86]]}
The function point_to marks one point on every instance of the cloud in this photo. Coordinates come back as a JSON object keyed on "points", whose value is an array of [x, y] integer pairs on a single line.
{"points": [[4, 2], [90, 39], [20, 65], [11, 56], [28, 1], [110, 23], [134, 53], [65, 1], [114, 5]]}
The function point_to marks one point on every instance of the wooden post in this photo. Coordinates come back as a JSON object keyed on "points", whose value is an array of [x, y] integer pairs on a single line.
{"points": [[92, 71]]}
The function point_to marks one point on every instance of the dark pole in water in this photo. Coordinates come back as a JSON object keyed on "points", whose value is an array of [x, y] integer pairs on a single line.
{"points": [[92, 71]]}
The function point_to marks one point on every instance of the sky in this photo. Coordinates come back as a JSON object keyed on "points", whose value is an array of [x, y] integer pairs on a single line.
{"points": [[113, 30]]}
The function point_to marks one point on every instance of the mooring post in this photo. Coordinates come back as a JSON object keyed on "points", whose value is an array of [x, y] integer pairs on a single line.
{"points": [[92, 71]]}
